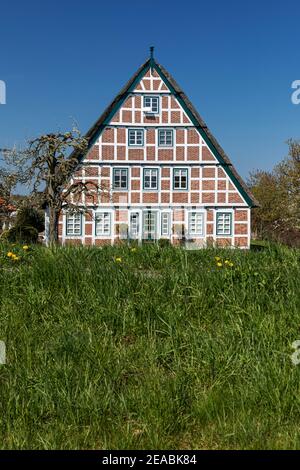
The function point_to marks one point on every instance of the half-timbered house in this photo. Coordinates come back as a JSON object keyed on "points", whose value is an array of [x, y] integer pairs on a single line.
{"points": [[165, 173]]}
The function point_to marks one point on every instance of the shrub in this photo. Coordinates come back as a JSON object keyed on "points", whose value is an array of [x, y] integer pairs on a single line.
{"points": [[30, 217], [21, 234]]}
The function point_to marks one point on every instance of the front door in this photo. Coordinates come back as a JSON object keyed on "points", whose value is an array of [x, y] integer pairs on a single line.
{"points": [[149, 225]]}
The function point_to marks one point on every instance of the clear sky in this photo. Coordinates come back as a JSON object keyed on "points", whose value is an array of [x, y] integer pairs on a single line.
{"points": [[236, 60]]}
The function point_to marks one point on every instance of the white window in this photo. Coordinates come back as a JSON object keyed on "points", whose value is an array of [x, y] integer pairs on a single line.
{"points": [[73, 223], [196, 223], [103, 223], [151, 104], [180, 178], [134, 225], [136, 137], [224, 223], [165, 224], [165, 137], [150, 178]]}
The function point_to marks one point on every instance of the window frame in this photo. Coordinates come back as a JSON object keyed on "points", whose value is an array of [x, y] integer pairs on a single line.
{"points": [[73, 234], [187, 178], [103, 235], [138, 214], [224, 212], [158, 104], [158, 137], [167, 213], [196, 212], [157, 178], [113, 178], [138, 129]]}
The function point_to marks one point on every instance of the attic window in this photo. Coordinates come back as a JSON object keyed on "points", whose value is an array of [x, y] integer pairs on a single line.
{"points": [[151, 104]]}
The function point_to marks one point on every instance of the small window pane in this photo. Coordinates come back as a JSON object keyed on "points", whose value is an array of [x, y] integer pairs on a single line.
{"points": [[196, 226], [165, 224], [136, 137], [151, 103], [180, 178], [103, 223], [134, 225], [150, 178], [224, 222], [73, 223], [165, 137], [120, 178]]}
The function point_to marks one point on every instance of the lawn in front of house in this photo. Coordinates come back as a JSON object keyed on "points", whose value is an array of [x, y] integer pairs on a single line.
{"points": [[149, 347]]}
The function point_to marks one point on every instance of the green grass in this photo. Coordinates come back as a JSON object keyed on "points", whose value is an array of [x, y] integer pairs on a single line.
{"points": [[162, 350]]}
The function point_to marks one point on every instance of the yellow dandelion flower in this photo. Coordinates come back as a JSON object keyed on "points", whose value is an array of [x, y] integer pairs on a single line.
{"points": [[25, 247], [217, 258], [230, 264], [10, 254], [118, 260], [219, 265], [227, 261], [16, 258]]}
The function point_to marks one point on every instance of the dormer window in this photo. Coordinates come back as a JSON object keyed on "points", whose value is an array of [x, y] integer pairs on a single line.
{"points": [[151, 104]]}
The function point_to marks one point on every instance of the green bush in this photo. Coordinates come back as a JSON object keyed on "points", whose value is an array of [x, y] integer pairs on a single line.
{"points": [[21, 234], [30, 217]]}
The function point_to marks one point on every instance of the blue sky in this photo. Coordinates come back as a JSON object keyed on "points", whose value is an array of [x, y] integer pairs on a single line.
{"points": [[64, 60]]}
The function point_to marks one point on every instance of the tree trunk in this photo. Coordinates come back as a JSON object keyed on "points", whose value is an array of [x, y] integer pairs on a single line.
{"points": [[53, 225]]}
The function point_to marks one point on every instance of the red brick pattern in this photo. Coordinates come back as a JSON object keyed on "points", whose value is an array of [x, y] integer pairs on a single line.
{"points": [[135, 172], [240, 216], [207, 155], [93, 153], [108, 135]]}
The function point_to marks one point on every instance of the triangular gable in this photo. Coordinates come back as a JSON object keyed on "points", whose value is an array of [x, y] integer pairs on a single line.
{"points": [[152, 72], [151, 82]]}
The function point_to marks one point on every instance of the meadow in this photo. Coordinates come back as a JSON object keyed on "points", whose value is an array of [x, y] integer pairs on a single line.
{"points": [[149, 347]]}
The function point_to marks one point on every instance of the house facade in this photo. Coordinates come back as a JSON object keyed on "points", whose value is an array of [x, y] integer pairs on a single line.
{"points": [[162, 173]]}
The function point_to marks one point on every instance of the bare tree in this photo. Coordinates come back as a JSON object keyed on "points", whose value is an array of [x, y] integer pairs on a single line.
{"points": [[46, 166]]}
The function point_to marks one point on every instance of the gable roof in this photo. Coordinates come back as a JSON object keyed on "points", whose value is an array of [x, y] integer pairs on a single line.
{"points": [[94, 132]]}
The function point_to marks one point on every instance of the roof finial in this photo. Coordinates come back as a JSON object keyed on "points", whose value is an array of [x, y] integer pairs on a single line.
{"points": [[151, 52]]}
